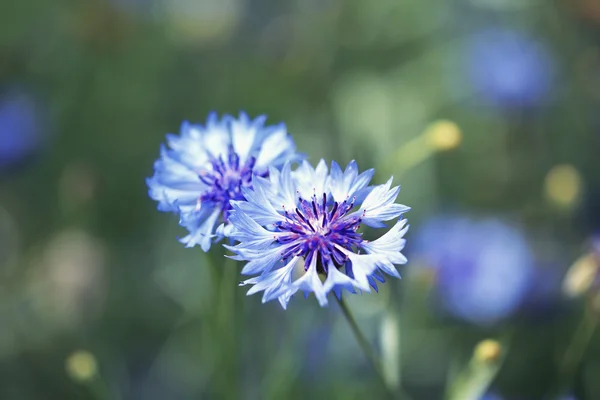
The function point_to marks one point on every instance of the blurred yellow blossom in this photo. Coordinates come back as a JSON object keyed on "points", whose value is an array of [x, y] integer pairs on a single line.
{"points": [[82, 366], [443, 135], [562, 185]]}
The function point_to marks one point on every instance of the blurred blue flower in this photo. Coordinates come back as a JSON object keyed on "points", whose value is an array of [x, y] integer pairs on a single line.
{"points": [[508, 68], [595, 243], [544, 299], [207, 166], [483, 268], [491, 396], [568, 397], [20, 128], [303, 223]]}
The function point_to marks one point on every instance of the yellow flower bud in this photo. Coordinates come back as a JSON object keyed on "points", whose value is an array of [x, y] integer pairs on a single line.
{"points": [[580, 276], [488, 351], [562, 185], [81, 366], [443, 135]]}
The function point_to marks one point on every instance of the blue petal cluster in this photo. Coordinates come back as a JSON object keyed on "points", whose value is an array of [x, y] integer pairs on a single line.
{"points": [[509, 68], [20, 128], [298, 231], [206, 166], [469, 258]]}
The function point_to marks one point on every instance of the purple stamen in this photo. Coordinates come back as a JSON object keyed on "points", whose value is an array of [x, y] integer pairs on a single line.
{"points": [[318, 230], [225, 180]]}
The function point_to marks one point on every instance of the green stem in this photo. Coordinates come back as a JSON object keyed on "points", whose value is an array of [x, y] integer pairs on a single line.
{"points": [[365, 346], [100, 390], [225, 318], [576, 350], [216, 260]]}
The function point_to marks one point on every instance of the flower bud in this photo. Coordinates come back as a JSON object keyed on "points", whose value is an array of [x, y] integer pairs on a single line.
{"points": [[81, 366], [487, 351], [443, 135], [581, 275]]}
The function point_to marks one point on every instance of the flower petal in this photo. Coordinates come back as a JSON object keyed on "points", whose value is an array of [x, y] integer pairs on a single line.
{"points": [[310, 282], [390, 244], [200, 231], [379, 205], [277, 148]]}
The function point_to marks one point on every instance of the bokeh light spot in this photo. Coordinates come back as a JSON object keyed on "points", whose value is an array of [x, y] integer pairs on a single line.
{"points": [[81, 366], [203, 21], [580, 276], [443, 135], [488, 351], [563, 185]]}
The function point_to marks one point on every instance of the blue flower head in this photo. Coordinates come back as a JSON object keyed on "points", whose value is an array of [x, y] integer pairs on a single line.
{"points": [[20, 128], [298, 231], [470, 258], [205, 167], [509, 69]]}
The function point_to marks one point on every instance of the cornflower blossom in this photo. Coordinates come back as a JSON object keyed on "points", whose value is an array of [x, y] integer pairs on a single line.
{"points": [[509, 69], [20, 128], [205, 167], [469, 258], [298, 226]]}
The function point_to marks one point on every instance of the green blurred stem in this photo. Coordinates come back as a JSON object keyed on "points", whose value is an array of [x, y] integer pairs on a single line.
{"points": [[365, 346], [100, 391], [474, 378], [578, 345], [407, 156], [227, 317], [224, 279], [216, 259], [473, 381]]}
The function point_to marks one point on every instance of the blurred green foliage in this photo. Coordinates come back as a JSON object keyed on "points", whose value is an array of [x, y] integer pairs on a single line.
{"points": [[89, 265]]}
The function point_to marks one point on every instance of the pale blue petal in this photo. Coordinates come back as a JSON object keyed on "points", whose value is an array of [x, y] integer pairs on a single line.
{"points": [[363, 266], [335, 278], [311, 180], [277, 148], [201, 234], [390, 244], [284, 299], [244, 133], [282, 189], [189, 147], [379, 205], [348, 184], [272, 280], [258, 205], [215, 137], [310, 282], [250, 232], [260, 261]]}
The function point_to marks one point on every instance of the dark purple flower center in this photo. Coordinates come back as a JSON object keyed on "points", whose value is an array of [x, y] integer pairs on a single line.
{"points": [[319, 229], [226, 180]]}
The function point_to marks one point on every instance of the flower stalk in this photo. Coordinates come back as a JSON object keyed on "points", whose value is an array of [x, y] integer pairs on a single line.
{"points": [[366, 348]]}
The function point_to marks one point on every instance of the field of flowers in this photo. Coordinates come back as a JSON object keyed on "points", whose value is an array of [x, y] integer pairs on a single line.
{"points": [[329, 199]]}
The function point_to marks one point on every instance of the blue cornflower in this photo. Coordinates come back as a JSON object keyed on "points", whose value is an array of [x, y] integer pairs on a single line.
{"points": [[509, 68], [469, 257], [207, 166], [297, 225], [20, 127]]}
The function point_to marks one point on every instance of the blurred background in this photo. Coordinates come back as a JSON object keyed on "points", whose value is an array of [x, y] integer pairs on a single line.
{"points": [[485, 111]]}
